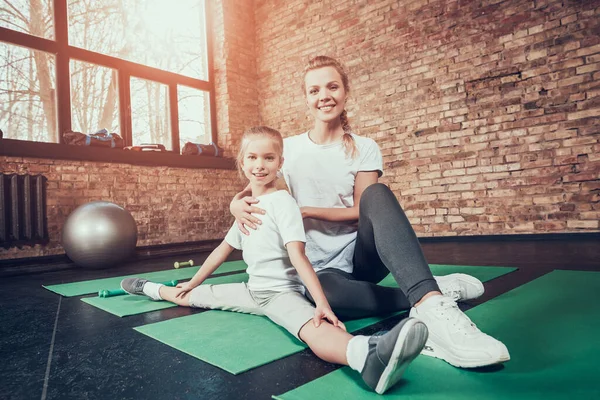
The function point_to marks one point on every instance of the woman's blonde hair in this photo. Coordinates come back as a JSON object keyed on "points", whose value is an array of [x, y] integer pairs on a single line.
{"points": [[253, 133], [325, 61]]}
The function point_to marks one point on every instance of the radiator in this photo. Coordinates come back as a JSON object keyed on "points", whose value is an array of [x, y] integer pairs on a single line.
{"points": [[22, 210]]}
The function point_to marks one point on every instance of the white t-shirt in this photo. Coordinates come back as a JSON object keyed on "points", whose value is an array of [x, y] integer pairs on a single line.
{"points": [[323, 176], [269, 265]]}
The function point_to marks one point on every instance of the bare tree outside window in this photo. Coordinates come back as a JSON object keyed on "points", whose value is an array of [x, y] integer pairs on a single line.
{"points": [[168, 35], [94, 97], [194, 116], [35, 17], [150, 113], [28, 77], [27, 94]]}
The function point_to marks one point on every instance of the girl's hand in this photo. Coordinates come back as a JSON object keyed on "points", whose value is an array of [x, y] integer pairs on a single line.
{"points": [[324, 312], [184, 288], [242, 209]]}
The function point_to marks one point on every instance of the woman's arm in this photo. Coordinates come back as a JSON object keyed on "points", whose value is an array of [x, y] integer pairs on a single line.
{"points": [[362, 180]]}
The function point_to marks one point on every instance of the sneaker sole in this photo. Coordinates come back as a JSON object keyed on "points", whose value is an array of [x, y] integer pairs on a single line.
{"points": [[409, 344], [433, 350]]}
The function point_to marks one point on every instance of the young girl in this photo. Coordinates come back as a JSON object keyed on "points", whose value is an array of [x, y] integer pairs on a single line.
{"points": [[357, 232], [279, 270]]}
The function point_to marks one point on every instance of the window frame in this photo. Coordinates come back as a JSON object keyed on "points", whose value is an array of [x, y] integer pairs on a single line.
{"points": [[64, 53]]}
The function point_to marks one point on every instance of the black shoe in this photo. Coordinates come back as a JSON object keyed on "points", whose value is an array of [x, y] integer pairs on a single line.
{"points": [[390, 354], [134, 285]]}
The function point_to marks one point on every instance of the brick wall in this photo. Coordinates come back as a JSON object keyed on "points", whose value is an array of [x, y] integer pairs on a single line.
{"points": [[486, 111], [170, 205], [235, 70]]}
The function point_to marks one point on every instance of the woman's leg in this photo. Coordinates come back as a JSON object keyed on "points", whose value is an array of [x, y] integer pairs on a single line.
{"points": [[350, 298], [386, 238], [386, 242]]}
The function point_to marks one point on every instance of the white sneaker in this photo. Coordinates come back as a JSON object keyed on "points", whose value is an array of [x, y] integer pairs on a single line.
{"points": [[454, 338], [460, 287]]}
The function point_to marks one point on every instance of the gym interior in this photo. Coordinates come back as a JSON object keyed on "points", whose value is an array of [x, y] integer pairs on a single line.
{"points": [[487, 116]]}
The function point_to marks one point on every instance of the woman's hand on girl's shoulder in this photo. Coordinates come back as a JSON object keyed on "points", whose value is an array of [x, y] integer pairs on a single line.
{"points": [[242, 209], [306, 212]]}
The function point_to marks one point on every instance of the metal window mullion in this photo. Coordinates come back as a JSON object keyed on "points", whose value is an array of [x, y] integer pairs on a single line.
{"points": [[208, 10], [174, 112], [125, 106], [28, 41], [63, 79], [139, 70]]}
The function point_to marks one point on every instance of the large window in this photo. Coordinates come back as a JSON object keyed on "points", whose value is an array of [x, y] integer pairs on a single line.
{"points": [[139, 68]]}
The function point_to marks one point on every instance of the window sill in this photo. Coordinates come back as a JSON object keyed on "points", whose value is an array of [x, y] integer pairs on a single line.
{"points": [[21, 148]]}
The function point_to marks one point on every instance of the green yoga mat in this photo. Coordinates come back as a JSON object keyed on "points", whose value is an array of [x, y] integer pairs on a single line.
{"points": [[93, 286], [221, 337], [550, 326], [122, 306]]}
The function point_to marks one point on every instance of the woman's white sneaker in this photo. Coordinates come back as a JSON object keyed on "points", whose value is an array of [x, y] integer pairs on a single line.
{"points": [[454, 338], [460, 287]]}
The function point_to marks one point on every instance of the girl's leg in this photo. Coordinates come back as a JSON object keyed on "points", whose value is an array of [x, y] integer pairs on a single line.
{"points": [[228, 297], [168, 293], [381, 360], [328, 342], [386, 243]]}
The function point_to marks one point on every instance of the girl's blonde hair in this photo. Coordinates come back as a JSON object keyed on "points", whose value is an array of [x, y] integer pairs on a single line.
{"points": [[253, 133], [325, 61]]}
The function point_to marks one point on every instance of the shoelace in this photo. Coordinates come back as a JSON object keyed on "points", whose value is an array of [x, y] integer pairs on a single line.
{"points": [[450, 311], [453, 291]]}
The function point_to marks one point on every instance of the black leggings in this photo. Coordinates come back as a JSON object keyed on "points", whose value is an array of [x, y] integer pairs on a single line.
{"points": [[386, 243]]}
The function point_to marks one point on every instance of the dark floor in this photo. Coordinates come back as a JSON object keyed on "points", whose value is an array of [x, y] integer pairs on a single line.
{"points": [[63, 348]]}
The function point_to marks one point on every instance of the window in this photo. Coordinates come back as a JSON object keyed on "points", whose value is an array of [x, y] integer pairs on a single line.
{"points": [[139, 68], [27, 95], [150, 112], [94, 97]]}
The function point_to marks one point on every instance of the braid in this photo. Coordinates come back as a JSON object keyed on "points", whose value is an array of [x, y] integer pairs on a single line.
{"points": [[349, 145], [345, 123]]}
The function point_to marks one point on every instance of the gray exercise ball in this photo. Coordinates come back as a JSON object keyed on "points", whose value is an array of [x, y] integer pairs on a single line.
{"points": [[99, 235]]}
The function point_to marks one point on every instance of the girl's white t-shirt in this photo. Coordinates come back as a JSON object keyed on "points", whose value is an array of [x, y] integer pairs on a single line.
{"points": [[264, 250], [323, 176]]}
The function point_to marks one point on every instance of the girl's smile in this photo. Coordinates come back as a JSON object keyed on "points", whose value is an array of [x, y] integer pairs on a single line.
{"points": [[262, 160]]}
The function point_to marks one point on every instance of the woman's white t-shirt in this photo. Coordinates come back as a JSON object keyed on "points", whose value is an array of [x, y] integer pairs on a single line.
{"points": [[323, 176]]}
